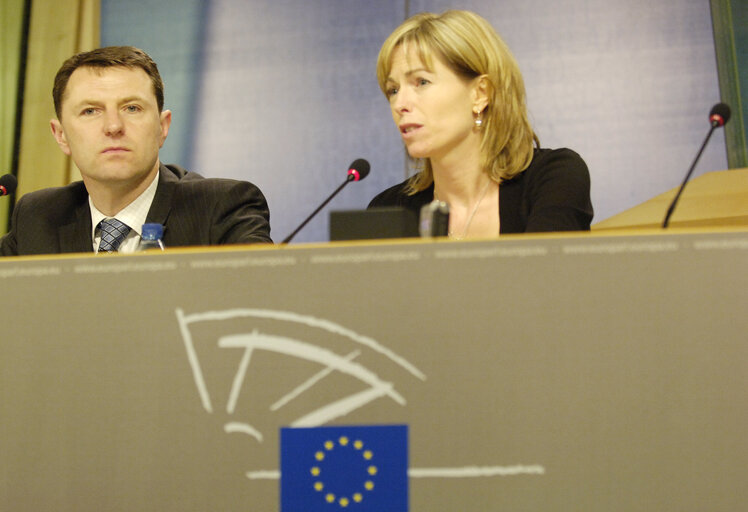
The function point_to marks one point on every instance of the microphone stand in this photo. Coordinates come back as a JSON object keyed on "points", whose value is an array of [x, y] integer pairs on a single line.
{"points": [[349, 178], [665, 223]]}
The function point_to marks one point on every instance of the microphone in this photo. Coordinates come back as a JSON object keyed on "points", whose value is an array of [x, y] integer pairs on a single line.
{"points": [[8, 184], [718, 116], [357, 171]]}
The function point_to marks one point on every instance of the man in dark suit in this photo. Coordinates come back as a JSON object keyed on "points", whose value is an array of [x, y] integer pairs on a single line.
{"points": [[110, 120]]}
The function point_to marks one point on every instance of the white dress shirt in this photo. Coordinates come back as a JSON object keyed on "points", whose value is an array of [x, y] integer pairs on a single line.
{"points": [[134, 215]]}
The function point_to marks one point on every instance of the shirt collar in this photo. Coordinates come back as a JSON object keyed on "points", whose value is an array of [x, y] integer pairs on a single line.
{"points": [[134, 214]]}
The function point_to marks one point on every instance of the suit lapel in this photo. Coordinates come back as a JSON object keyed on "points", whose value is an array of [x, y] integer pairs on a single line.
{"points": [[163, 200], [76, 235]]}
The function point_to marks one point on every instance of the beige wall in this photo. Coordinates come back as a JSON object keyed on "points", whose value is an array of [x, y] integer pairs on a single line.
{"points": [[58, 29], [11, 18]]}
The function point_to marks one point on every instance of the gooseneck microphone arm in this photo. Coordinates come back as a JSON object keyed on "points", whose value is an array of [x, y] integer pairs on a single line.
{"points": [[688, 175], [718, 116], [358, 170], [315, 212]]}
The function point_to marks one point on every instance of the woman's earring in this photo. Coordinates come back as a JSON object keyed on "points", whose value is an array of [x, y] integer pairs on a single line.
{"points": [[478, 120]]}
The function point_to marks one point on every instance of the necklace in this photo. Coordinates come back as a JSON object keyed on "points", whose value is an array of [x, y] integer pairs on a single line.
{"points": [[472, 214]]}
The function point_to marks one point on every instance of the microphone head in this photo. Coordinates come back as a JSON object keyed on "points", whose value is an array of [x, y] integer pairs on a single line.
{"points": [[359, 170], [8, 184], [719, 115]]}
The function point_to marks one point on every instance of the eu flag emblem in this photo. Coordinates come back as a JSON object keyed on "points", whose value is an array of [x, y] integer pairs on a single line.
{"points": [[357, 468]]}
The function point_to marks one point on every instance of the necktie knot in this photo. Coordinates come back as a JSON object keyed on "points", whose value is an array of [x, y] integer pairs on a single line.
{"points": [[113, 233]]}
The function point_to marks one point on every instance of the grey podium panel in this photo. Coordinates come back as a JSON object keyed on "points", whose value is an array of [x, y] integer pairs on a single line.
{"points": [[581, 373]]}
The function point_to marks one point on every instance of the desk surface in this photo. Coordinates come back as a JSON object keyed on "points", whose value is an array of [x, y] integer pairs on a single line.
{"points": [[539, 373], [718, 198]]}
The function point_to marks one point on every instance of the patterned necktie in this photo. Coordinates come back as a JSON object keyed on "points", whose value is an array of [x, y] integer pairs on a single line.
{"points": [[113, 233]]}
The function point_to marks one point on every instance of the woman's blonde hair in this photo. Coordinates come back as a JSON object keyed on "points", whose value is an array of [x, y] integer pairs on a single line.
{"points": [[470, 47]]}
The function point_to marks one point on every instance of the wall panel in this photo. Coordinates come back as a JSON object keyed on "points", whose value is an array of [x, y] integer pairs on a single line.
{"points": [[289, 98], [283, 93], [628, 85]]}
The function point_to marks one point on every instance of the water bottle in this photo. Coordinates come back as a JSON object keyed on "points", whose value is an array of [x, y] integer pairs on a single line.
{"points": [[434, 219], [150, 238]]}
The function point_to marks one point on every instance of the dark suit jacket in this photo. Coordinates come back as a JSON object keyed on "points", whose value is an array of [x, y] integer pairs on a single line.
{"points": [[193, 210]]}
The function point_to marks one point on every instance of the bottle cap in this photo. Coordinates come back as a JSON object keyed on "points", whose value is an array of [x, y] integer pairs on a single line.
{"points": [[152, 231]]}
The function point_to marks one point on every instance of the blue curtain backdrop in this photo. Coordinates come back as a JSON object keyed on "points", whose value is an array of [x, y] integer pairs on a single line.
{"points": [[283, 93]]}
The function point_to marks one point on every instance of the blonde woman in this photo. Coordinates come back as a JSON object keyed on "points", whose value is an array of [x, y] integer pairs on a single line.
{"points": [[458, 100]]}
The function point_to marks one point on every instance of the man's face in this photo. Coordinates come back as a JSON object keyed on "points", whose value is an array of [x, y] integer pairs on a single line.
{"points": [[110, 125]]}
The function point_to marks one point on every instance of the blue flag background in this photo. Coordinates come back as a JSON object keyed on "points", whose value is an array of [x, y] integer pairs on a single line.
{"points": [[357, 468]]}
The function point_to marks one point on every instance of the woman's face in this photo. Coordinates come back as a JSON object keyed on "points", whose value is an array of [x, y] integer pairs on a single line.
{"points": [[432, 108]]}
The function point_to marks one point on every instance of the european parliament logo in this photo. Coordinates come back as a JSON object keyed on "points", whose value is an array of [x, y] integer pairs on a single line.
{"points": [[356, 468]]}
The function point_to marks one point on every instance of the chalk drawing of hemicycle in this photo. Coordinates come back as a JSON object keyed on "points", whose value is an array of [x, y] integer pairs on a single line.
{"points": [[330, 362]]}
